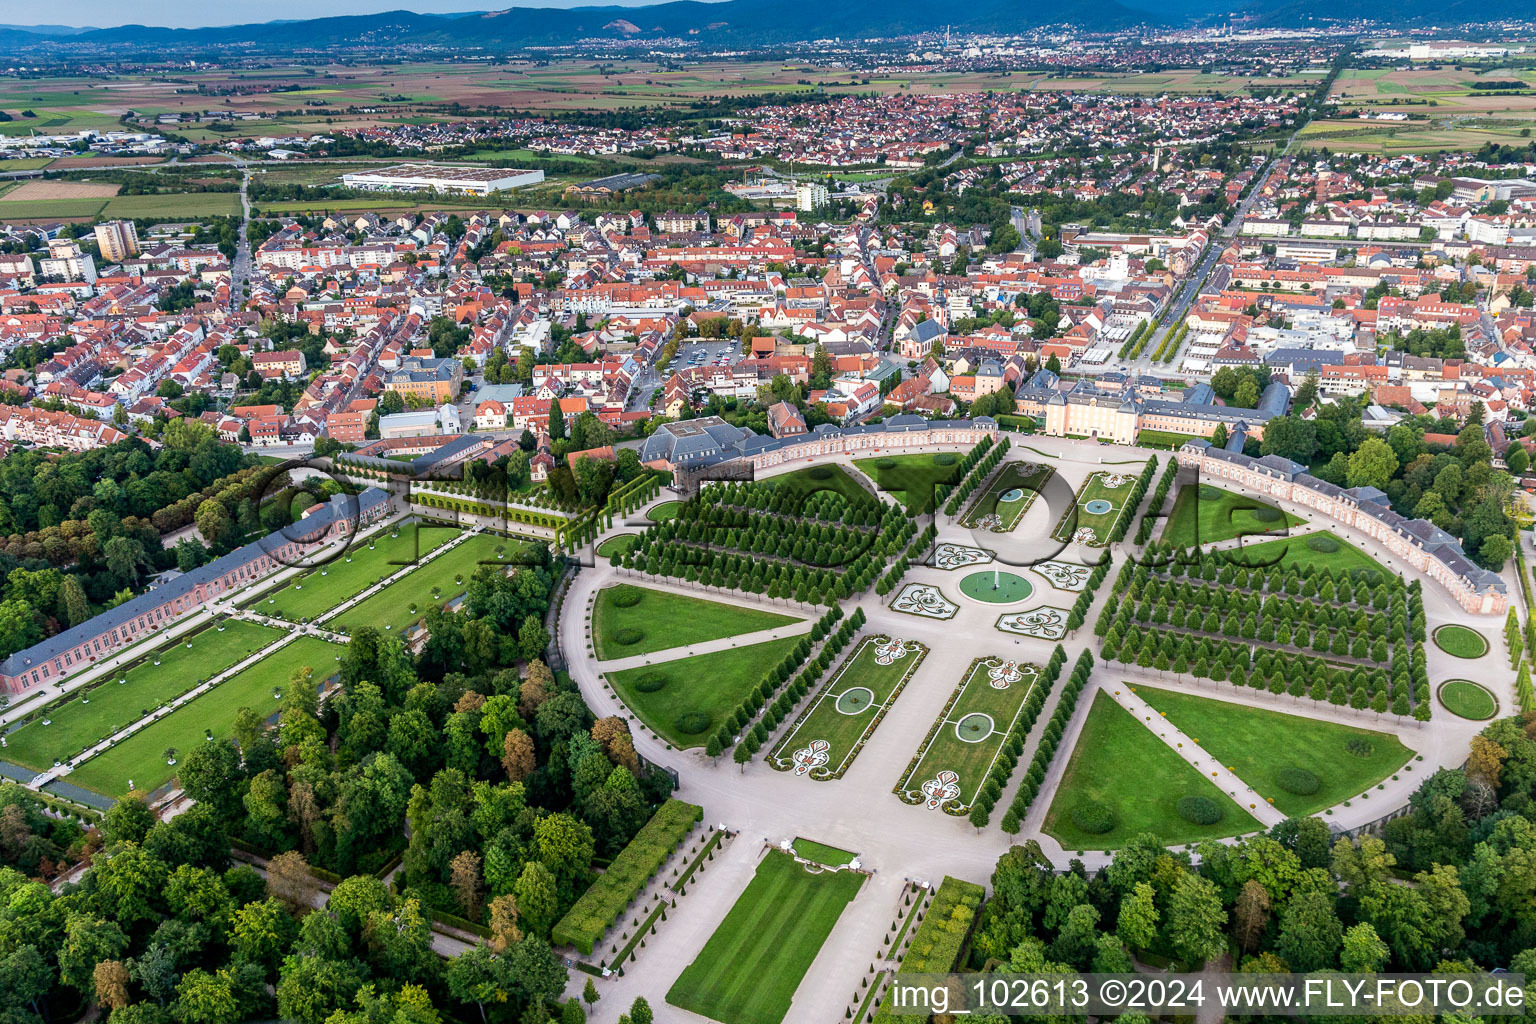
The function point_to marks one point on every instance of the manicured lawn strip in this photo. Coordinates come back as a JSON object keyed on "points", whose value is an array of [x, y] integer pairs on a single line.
{"points": [[99, 713], [711, 683], [668, 620], [661, 513], [617, 545], [138, 756], [749, 969], [946, 751], [1104, 522], [392, 606], [1293, 551], [1195, 521], [315, 593], [1256, 743], [1467, 699], [1011, 476], [821, 853], [1461, 642], [911, 478], [1122, 764], [606, 898], [823, 721], [829, 476]]}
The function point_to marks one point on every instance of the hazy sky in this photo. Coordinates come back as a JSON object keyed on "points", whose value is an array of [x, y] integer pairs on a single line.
{"points": [[187, 13]]}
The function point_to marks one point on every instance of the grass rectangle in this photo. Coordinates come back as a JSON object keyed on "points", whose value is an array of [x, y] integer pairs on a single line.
{"points": [[1101, 523], [391, 607], [1124, 766], [1297, 551], [98, 713], [911, 479], [1203, 514], [188, 205], [970, 750], [821, 853], [1025, 476], [364, 565], [749, 969], [665, 620], [139, 756], [709, 683], [830, 718], [1257, 743]]}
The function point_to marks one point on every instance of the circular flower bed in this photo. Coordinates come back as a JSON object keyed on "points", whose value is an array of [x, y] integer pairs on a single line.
{"points": [[651, 682], [1323, 545], [628, 636], [1199, 810], [691, 723], [1093, 817], [1298, 781], [626, 596]]}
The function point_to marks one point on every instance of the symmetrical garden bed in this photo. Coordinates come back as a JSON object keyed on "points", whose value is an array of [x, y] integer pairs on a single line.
{"points": [[629, 620]]}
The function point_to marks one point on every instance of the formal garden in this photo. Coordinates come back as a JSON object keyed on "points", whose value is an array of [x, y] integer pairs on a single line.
{"points": [[142, 758], [748, 971], [827, 737], [1123, 780], [435, 582], [1461, 641], [954, 762], [1321, 550], [911, 479], [1203, 514], [1466, 699], [365, 563], [91, 714], [1005, 499], [1299, 764], [684, 701], [629, 620], [1101, 500], [662, 511]]}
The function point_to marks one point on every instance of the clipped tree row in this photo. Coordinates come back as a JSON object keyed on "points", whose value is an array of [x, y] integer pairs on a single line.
{"points": [[1050, 736], [1138, 491], [1132, 345], [1150, 517], [892, 578], [1079, 613], [983, 469], [1513, 638]]}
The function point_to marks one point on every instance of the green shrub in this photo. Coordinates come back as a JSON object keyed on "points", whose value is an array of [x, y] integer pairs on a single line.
{"points": [[1322, 545], [651, 682], [1199, 810], [1093, 817], [626, 596], [1298, 781], [1360, 746], [820, 473], [628, 636], [691, 723]]}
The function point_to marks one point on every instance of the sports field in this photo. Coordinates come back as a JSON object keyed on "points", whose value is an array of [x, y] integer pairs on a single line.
{"points": [[843, 715], [659, 620], [1010, 494], [1098, 506], [972, 730], [140, 757], [92, 716], [364, 565], [749, 969], [436, 581]]}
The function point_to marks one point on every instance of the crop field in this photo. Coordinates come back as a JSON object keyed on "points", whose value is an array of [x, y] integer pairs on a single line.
{"points": [[1446, 109], [39, 191]]}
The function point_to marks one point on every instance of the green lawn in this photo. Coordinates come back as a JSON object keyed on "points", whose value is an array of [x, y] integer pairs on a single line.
{"points": [[749, 969], [821, 853], [828, 476], [1203, 514], [112, 706], [1257, 743], [1466, 699], [1012, 477], [1101, 523], [391, 607], [1461, 642], [1122, 765], [910, 479], [617, 545], [661, 513], [710, 684], [665, 620], [972, 731], [139, 757], [366, 564], [1301, 552], [841, 719]]}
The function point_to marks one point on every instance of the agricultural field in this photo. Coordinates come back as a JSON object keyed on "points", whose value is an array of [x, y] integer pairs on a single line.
{"points": [[684, 700], [1005, 500], [364, 565], [1102, 801], [1278, 754], [436, 581], [1446, 111], [749, 969], [1203, 514], [658, 620], [141, 758], [826, 739], [1100, 501], [971, 730], [96, 714]]}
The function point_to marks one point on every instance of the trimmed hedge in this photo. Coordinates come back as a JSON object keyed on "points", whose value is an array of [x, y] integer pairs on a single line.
{"points": [[1199, 810], [937, 942], [1298, 781], [1093, 817], [617, 887]]}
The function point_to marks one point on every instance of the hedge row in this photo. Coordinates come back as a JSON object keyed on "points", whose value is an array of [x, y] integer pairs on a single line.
{"points": [[983, 468], [617, 887], [1079, 613], [938, 940], [1138, 491], [1150, 517], [1050, 736], [915, 550], [1008, 756]]}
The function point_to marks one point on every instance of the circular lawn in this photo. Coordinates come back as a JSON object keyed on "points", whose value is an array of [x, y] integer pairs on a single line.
{"points": [[1461, 642], [661, 513], [996, 587], [1466, 699]]}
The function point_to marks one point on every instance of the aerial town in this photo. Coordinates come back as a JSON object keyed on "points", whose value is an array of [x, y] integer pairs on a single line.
{"points": [[820, 517]]}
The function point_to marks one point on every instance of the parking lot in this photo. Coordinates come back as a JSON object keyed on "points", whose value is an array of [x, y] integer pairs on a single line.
{"points": [[720, 352]]}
